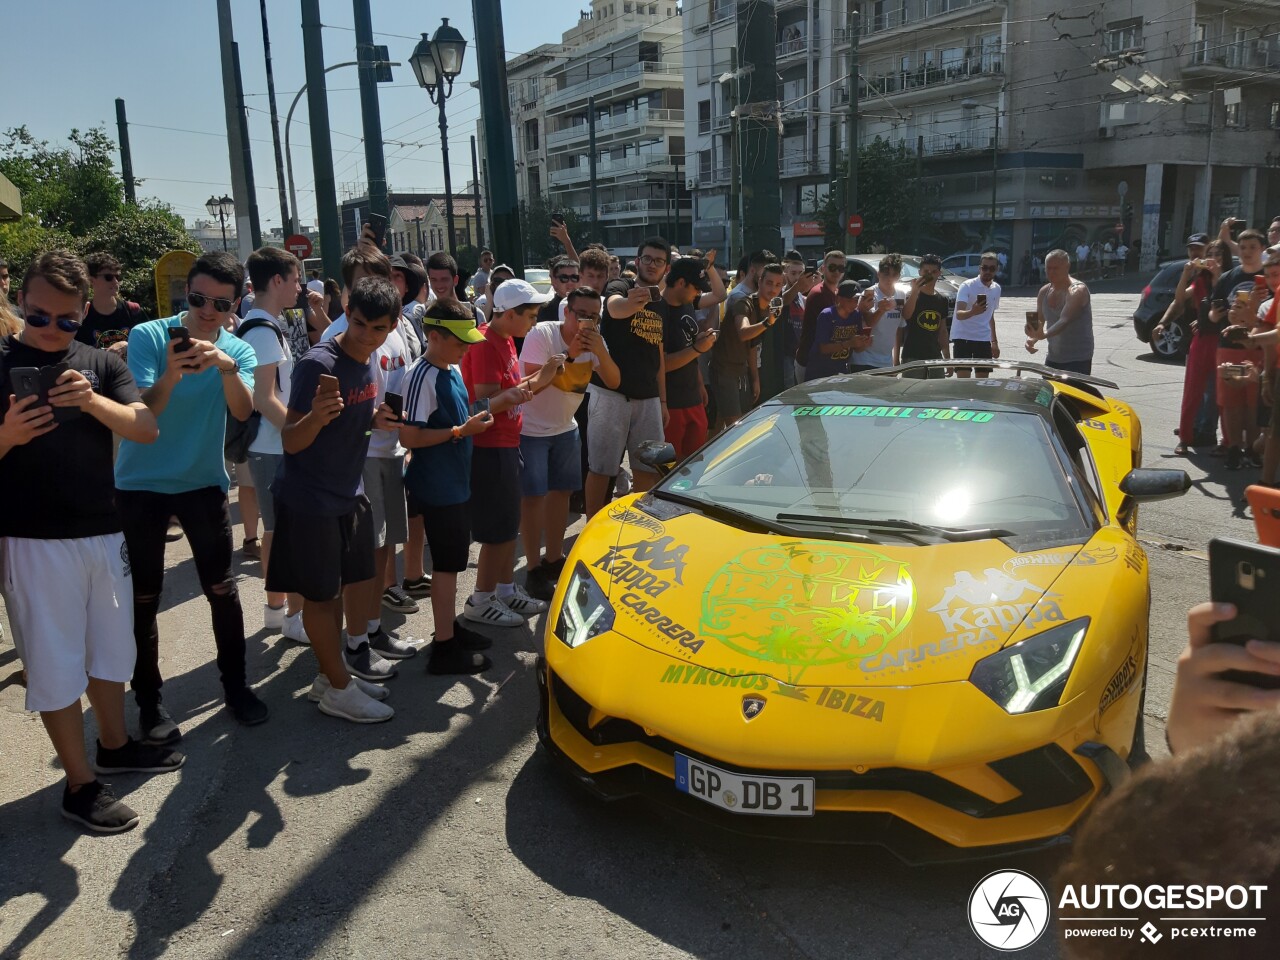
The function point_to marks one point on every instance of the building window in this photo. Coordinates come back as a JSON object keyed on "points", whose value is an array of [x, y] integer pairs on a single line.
{"points": [[626, 8], [530, 136], [1124, 35], [1275, 115], [1233, 115], [704, 116]]}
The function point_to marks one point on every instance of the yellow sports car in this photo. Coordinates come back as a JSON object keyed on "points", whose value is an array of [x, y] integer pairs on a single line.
{"points": [[879, 609]]}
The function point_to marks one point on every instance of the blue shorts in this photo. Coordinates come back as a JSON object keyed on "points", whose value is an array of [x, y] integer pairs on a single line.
{"points": [[551, 463]]}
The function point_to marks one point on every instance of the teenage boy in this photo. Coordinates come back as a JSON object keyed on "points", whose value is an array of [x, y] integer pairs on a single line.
{"points": [[438, 430], [885, 319], [274, 273], [841, 331], [324, 534], [491, 372], [192, 372], [67, 586], [923, 335], [820, 296], [973, 325], [735, 351], [683, 344], [110, 319], [549, 442]]}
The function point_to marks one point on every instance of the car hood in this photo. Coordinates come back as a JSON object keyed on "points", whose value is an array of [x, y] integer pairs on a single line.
{"points": [[813, 611]]}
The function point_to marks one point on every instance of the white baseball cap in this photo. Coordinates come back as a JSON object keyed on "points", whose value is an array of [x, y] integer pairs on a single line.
{"points": [[518, 293]]}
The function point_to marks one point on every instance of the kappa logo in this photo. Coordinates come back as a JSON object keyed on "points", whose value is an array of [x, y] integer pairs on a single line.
{"points": [[994, 602], [752, 707], [660, 556]]}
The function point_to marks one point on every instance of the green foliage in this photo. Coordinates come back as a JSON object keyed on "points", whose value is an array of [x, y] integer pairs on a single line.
{"points": [[23, 240], [892, 205], [72, 188], [138, 237], [535, 223], [468, 258]]}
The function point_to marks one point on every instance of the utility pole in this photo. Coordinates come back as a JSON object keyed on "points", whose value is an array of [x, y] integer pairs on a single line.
{"points": [[735, 167], [250, 191], [475, 186], [366, 57], [287, 224], [495, 111], [851, 161], [676, 239], [235, 148], [321, 142], [591, 167], [126, 157], [919, 200]]}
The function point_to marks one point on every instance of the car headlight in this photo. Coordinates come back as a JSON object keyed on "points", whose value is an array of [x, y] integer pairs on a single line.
{"points": [[585, 611], [1032, 674]]}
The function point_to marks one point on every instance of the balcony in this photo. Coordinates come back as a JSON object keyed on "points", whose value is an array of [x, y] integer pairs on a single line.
{"points": [[722, 10], [614, 124], [709, 175], [792, 48], [987, 66], [633, 208], [941, 144], [793, 166], [912, 13], [1210, 60], [633, 75], [613, 168]]}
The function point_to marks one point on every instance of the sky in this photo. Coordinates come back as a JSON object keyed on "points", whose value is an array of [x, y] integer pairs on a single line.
{"points": [[162, 57]]}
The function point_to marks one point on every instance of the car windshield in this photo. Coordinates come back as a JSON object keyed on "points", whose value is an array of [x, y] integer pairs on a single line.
{"points": [[537, 276], [886, 473]]}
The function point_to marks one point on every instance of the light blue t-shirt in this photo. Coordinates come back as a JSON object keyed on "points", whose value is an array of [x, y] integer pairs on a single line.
{"points": [[188, 453]]}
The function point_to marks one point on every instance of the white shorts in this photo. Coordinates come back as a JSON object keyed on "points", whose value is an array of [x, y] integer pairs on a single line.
{"points": [[70, 604], [617, 426]]}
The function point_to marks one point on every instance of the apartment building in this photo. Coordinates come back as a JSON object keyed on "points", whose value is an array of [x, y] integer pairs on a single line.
{"points": [[1144, 119], [622, 66]]}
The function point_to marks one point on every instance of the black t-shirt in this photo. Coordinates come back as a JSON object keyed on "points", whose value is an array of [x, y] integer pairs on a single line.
{"points": [[550, 311], [635, 344], [920, 341], [324, 479], [679, 330], [61, 486], [103, 329], [1230, 280]]}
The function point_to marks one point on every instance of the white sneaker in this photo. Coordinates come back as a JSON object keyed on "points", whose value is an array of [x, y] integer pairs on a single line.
{"points": [[492, 611], [523, 604], [355, 705], [292, 629], [321, 685], [272, 617], [622, 486]]}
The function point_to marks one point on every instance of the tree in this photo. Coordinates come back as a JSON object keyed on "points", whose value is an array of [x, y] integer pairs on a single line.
{"points": [[72, 188], [890, 200], [535, 219], [24, 239], [138, 236]]}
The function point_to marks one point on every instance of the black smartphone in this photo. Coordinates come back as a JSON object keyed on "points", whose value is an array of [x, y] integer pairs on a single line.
{"points": [[557, 219], [183, 334], [37, 382], [396, 403], [655, 293], [379, 225], [1246, 575]]}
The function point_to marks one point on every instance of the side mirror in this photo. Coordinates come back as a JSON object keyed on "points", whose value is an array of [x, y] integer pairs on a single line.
{"points": [[1147, 486], [658, 454]]}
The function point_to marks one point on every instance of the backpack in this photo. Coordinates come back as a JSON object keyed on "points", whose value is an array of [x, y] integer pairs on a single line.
{"points": [[241, 433]]}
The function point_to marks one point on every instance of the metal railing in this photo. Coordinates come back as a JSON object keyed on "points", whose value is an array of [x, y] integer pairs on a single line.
{"points": [[790, 48], [722, 10], [613, 122], [989, 65], [1249, 55], [911, 14], [609, 168], [616, 78]]}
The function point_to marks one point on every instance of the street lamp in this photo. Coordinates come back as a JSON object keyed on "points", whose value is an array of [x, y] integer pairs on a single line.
{"points": [[971, 105], [222, 209], [436, 63]]}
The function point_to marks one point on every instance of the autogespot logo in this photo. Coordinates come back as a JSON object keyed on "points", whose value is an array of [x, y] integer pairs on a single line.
{"points": [[1009, 910]]}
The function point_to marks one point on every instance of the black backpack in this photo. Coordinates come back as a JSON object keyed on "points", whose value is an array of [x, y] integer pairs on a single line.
{"points": [[241, 433]]}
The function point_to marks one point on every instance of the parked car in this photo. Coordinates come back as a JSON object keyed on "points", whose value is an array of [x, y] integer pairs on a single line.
{"points": [[962, 264], [1156, 297], [540, 279], [864, 268]]}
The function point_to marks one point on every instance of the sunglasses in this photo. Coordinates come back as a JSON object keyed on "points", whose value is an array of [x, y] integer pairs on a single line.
{"points": [[568, 277], [837, 267], [220, 304], [40, 321], [109, 277], [989, 267]]}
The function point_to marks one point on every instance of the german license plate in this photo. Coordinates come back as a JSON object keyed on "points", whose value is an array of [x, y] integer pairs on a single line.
{"points": [[737, 793]]}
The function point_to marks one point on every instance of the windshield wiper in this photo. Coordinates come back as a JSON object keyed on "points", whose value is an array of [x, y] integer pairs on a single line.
{"points": [[744, 520], [950, 534]]}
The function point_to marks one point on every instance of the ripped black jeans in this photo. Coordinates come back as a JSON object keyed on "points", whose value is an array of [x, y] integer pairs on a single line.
{"points": [[206, 520]]}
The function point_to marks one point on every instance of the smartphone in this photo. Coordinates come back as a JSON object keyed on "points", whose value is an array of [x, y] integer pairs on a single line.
{"points": [[328, 382], [980, 298], [183, 334], [396, 403], [1230, 370], [1246, 575], [1265, 504], [655, 293], [379, 225], [37, 382], [1033, 320], [480, 406], [557, 219]]}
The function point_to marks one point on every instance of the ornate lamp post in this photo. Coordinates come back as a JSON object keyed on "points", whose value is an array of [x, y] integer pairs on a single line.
{"points": [[222, 209], [436, 63]]}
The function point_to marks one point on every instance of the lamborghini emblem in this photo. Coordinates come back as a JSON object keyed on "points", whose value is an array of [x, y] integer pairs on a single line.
{"points": [[752, 707]]}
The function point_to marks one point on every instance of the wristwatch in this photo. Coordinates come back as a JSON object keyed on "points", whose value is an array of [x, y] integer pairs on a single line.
{"points": [[235, 368]]}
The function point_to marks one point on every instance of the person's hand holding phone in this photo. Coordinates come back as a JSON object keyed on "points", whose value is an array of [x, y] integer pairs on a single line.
{"points": [[384, 418], [1204, 703], [548, 372], [638, 295], [476, 423], [327, 405], [25, 420], [705, 340], [72, 389]]}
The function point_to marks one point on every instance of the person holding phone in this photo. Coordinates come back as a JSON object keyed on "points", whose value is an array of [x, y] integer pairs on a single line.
{"points": [[840, 329], [66, 573], [885, 319], [684, 343], [973, 325], [734, 358], [923, 335], [1240, 366], [1066, 308], [192, 383]]}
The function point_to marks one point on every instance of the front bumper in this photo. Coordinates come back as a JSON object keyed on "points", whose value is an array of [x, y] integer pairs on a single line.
{"points": [[1015, 804]]}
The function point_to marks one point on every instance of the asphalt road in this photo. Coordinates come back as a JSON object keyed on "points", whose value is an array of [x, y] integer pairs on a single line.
{"points": [[444, 833]]}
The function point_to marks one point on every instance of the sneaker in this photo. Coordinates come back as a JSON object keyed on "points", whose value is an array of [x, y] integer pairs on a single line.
{"points": [[538, 583], [272, 617], [157, 727], [393, 598], [1235, 458], [136, 757], [174, 531], [452, 657], [293, 629], [320, 685], [367, 664], [418, 588], [245, 706], [623, 484], [470, 639], [252, 548], [355, 705], [520, 602], [392, 646], [492, 611], [96, 807], [555, 569]]}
